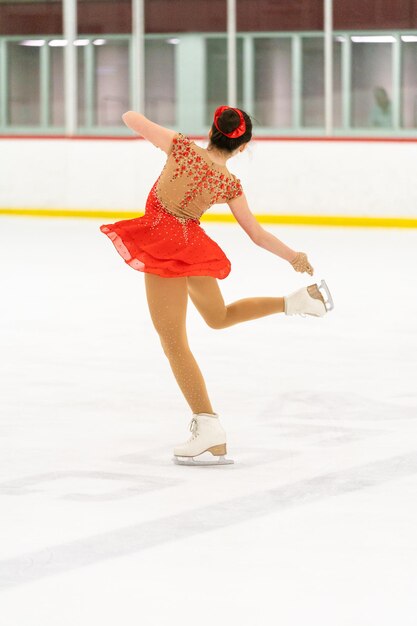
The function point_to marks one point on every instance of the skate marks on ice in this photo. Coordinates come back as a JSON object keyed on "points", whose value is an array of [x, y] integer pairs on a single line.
{"points": [[331, 418], [145, 535], [325, 419], [93, 486], [306, 434], [336, 406]]}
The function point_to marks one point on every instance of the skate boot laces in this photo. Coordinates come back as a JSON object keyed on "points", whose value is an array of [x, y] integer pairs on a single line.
{"points": [[193, 429]]}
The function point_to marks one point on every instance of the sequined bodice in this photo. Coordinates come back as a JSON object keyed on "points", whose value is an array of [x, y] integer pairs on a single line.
{"points": [[191, 182]]}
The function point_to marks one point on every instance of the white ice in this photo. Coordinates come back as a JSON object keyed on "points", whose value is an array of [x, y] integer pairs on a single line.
{"points": [[314, 524]]}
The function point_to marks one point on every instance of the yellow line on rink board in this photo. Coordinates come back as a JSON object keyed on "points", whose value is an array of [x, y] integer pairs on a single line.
{"points": [[313, 220]]}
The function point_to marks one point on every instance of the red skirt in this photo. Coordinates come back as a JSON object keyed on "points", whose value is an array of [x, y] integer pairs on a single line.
{"points": [[172, 247]]}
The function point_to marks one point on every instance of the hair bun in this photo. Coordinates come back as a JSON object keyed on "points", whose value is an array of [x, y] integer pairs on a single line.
{"points": [[229, 121]]}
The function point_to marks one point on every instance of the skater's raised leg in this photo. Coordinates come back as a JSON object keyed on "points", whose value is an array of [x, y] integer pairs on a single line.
{"points": [[309, 301], [206, 295], [207, 298]]}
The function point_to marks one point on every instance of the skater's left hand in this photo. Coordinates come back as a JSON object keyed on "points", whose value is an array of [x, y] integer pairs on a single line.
{"points": [[301, 264]]}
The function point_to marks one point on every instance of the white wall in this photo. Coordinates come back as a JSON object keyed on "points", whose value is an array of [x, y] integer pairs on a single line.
{"points": [[375, 178]]}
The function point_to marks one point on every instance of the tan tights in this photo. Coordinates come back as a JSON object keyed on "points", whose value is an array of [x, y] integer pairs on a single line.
{"points": [[167, 300]]}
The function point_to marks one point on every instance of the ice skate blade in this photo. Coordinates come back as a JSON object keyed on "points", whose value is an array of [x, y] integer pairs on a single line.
{"points": [[191, 460], [329, 304]]}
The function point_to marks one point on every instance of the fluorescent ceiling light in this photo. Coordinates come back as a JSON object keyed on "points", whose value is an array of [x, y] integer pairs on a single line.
{"points": [[63, 42], [173, 40], [32, 42], [99, 42], [373, 38], [409, 37]]}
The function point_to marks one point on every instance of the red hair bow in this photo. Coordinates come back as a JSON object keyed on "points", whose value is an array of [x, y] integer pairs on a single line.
{"points": [[237, 132]]}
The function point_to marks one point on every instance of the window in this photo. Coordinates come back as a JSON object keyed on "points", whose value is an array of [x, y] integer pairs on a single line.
{"points": [[273, 82]]}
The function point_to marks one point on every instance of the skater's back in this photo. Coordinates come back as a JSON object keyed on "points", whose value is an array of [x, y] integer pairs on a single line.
{"points": [[191, 181]]}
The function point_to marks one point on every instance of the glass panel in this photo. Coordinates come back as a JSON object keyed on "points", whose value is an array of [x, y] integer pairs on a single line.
{"points": [[312, 83], [57, 93], [82, 102], [409, 85], [57, 86], [160, 94], [272, 82], [337, 83], [23, 83], [216, 75], [111, 83], [371, 85]]}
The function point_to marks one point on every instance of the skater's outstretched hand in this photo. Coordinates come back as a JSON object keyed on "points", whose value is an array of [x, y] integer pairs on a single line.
{"points": [[301, 264]]}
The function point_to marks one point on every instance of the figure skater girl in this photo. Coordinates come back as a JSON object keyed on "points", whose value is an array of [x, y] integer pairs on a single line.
{"points": [[179, 259]]}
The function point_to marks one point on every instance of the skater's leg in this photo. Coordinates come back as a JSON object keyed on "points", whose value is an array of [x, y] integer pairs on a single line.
{"points": [[206, 296], [167, 300]]}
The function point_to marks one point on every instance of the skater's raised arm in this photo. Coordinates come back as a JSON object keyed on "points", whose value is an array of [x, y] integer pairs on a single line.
{"points": [[160, 136]]}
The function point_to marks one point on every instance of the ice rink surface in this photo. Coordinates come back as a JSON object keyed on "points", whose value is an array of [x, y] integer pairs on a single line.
{"points": [[314, 524]]}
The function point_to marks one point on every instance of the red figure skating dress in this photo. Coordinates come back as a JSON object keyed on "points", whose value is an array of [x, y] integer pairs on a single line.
{"points": [[168, 239]]}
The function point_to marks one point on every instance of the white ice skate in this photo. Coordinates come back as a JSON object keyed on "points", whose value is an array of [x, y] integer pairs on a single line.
{"points": [[309, 301], [208, 440]]}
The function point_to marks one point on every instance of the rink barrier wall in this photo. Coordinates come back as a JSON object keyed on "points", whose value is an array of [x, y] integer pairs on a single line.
{"points": [[360, 138], [335, 181], [312, 220]]}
